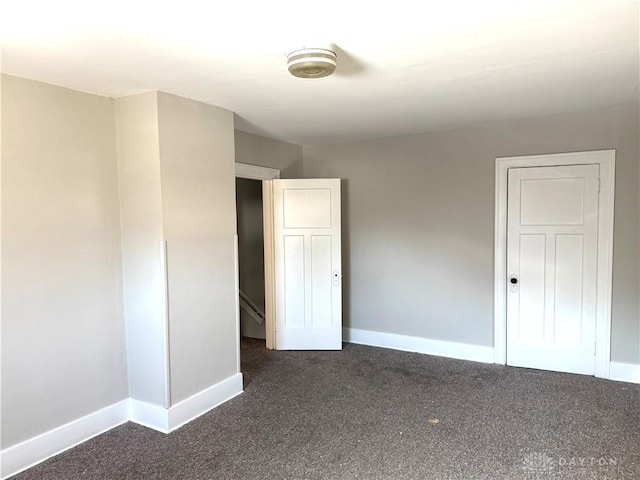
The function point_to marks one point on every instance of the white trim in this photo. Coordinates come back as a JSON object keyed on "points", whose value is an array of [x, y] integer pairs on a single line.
{"points": [[269, 265], [236, 254], [167, 420], [149, 415], [624, 372], [440, 348], [606, 160], [165, 318], [500, 266], [26, 454], [255, 172], [200, 403]]}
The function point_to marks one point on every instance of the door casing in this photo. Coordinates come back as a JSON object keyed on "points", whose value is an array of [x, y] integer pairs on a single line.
{"points": [[606, 160], [265, 174]]}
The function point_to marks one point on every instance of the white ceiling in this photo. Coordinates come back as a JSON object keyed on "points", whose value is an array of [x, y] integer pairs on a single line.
{"points": [[403, 66]]}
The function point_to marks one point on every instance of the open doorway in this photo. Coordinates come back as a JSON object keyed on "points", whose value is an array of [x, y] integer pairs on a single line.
{"points": [[249, 208], [255, 266], [297, 282]]}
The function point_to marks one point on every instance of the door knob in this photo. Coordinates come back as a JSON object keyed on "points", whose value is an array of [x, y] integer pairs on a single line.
{"points": [[513, 283]]}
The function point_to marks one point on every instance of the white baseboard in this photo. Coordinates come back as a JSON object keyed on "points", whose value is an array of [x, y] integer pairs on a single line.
{"points": [[621, 372], [149, 415], [26, 454], [200, 403], [167, 420], [461, 351], [624, 372]]}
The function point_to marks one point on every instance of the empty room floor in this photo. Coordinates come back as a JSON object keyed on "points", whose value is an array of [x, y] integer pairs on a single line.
{"points": [[370, 413]]}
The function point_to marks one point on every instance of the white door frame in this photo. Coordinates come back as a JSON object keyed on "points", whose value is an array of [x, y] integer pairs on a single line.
{"points": [[606, 160], [265, 174]]}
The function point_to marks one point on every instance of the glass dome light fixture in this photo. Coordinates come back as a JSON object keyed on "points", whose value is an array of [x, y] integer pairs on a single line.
{"points": [[315, 62]]}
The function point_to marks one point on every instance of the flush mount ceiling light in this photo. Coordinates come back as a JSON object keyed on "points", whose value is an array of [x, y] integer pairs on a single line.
{"points": [[311, 62]]}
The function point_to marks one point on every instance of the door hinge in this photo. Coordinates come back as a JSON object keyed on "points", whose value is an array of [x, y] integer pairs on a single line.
{"points": [[595, 345], [598, 186]]}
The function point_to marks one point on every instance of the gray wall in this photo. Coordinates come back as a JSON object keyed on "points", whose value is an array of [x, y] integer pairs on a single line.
{"points": [[63, 339], [199, 221], [141, 222], [177, 186], [250, 251], [418, 219], [266, 152]]}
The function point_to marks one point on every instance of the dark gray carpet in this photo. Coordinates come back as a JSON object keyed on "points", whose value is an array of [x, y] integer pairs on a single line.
{"points": [[364, 413]]}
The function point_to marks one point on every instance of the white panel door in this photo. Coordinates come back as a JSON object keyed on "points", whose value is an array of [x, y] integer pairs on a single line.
{"points": [[307, 258], [552, 244]]}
